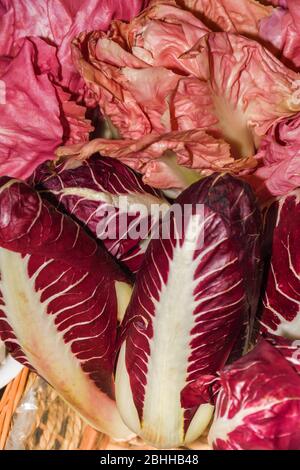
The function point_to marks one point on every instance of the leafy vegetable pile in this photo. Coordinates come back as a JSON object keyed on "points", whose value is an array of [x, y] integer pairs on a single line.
{"points": [[107, 114]]}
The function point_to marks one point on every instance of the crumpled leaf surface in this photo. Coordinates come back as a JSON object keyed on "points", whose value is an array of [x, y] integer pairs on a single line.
{"points": [[58, 22], [242, 17], [147, 155], [282, 29], [40, 113], [36, 115], [264, 417], [226, 77], [279, 161], [238, 71]]}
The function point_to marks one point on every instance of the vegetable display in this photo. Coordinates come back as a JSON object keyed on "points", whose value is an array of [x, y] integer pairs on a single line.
{"points": [[150, 214], [193, 301], [60, 295], [110, 200]]}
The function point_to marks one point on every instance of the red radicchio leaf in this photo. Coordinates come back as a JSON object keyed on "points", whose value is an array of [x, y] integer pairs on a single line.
{"points": [[60, 294], [191, 305], [281, 312], [264, 417], [110, 200]]}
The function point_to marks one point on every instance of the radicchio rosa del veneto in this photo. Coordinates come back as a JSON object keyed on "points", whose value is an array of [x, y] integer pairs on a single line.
{"points": [[110, 200], [59, 297], [258, 404], [193, 301], [281, 303]]}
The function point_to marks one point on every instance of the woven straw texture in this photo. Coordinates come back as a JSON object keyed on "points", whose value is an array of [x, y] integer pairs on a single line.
{"points": [[34, 417]]}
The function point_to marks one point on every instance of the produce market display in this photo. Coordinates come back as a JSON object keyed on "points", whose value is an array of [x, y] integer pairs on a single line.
{"points": [[150, 215]]}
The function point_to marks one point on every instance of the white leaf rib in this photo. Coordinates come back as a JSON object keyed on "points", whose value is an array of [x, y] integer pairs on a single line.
{"points": [[291, 265], [61, 227], [76, 236], [219, 307], [218, 294], [65, 291], [214, 271], [94, 179], [280, 291], [87, 322]]}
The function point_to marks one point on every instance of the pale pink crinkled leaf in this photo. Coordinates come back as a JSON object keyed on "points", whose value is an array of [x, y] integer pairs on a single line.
{"points": [[225, 95], [162, 33], [242, 16], [239, 71], [141, 100], [190, 96], [95, 15], [194, 149], [133, 70], [133, 95], [279, 160], [104, 82]]}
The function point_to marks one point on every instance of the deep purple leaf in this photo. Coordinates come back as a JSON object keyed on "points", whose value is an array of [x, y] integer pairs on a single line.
{"points": [[94, 195], [258, 406], [192, 307], [281, 312], [60, 295]]}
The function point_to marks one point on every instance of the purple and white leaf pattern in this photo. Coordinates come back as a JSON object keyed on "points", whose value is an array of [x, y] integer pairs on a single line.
{"points": [[59, 298], [191, 307], [281, 303], [258, 404], [94, 195]]}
